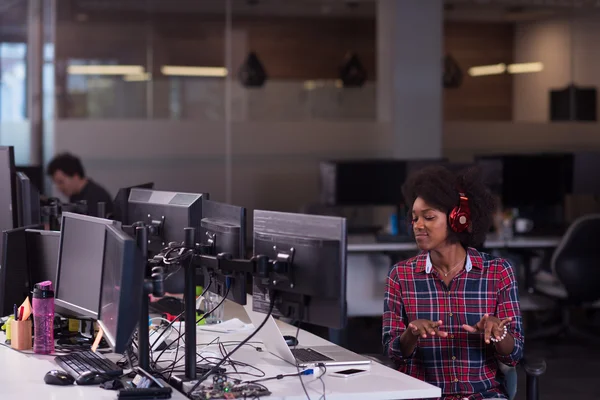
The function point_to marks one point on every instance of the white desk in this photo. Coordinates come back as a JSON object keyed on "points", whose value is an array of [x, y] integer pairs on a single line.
{"points": [[23, 375], [22, 378], [382, 383], [366, 244]]}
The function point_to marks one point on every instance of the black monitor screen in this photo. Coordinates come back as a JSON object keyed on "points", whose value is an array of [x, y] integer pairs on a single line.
{"points": [[536, 180], [14, 273], [368, 182], [79, 274], [122, 288], [42, 254], [28, 201], [8, 197], [35, 174], [586, 173]]}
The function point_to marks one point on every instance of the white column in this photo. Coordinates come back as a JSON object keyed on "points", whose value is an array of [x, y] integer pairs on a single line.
{"points": [[409, 75], [35, 65]]}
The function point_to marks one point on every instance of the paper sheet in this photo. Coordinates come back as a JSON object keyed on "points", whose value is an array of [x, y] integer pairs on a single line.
{"points": [[229, 326]]}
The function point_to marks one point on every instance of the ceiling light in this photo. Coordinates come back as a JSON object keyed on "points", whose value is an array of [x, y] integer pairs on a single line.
{"points": [[137, 77], [525, 67], [172, 70], [105, 69], [482, 70]]}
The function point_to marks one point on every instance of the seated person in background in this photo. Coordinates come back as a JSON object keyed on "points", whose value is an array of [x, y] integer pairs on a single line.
{"points": [[69, 177], [451, 313]]}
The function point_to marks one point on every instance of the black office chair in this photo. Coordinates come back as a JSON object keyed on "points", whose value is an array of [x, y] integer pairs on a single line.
{"points": [[534, 368], [576, 266]]}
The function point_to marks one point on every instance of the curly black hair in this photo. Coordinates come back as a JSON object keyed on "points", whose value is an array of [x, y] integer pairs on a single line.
{"points": [[439, 187]]}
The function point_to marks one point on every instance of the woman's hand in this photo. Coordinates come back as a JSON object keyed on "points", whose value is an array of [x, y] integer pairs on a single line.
{"points": [[425, 327], [488, 325]]}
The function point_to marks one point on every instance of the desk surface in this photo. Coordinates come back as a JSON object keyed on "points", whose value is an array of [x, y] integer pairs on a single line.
{"points": [[22, 377], [368, 244], [381, 383]]}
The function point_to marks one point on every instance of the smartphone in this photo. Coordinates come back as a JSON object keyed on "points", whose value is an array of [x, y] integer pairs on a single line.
{"points": [[347, 373]]}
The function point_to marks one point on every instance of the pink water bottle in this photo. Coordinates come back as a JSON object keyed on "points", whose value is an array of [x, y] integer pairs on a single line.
{"points": [[43, 318]]}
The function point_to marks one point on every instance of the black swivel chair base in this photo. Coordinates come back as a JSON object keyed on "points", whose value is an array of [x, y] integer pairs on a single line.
{"points": [[534, 368]]}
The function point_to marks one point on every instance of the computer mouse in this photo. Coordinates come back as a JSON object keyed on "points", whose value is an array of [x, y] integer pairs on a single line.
{"points": [[56, 377], [290, 340], [91, 378]]}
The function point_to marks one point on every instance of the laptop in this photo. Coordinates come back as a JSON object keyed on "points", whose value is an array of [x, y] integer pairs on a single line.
{"points": [[301, 356]]}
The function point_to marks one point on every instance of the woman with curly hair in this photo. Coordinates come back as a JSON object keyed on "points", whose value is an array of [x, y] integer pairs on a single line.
{"points": [[451, 313]]}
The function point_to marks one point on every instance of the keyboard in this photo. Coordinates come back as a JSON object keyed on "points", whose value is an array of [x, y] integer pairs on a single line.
{"points": [[309, 355], [82, 361], [167, 305]]}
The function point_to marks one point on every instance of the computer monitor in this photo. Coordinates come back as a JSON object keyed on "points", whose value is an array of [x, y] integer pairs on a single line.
{"points": [[15, 282], [80, 257], [121, 289], [168, 213], [120, 203], [586, 173], [35, 174], [8, 193], [42, 254], [315, 246], [28, 201], [492, 173], [223, 227], [362, 182], [533, 180], [375, 182]]}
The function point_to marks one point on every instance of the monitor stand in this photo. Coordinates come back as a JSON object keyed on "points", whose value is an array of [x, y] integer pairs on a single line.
{"points": [[79, 339]]}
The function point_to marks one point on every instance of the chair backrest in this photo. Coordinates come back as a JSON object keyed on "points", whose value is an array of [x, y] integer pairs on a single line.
{"points": [[509, 379], [576, 260]]}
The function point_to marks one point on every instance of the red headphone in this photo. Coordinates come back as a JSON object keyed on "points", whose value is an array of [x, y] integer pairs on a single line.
{"points": [[460, 217]]}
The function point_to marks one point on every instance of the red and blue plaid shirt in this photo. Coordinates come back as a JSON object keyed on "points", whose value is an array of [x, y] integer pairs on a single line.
{"points": [[462, 364]]}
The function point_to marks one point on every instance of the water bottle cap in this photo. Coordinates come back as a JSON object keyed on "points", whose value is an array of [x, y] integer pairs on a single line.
{"points": [[43, 290]]}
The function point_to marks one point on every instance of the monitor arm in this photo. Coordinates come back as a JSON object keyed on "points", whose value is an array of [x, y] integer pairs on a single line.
{"points": [[272, 273], [153, 285], [153, 227], [53, 209]]}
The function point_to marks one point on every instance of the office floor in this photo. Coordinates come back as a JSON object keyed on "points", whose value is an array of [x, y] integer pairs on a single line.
{"points": [[572, 371]]}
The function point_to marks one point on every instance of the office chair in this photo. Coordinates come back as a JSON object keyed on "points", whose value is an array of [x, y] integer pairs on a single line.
{"points": [[576, 265], [533, 367]]}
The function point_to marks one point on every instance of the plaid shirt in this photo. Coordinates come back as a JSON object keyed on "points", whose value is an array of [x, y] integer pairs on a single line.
{"points": [[462, 365]]}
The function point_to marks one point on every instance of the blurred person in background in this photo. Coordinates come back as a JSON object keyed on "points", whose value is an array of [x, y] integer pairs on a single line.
{"points": [[67, 173]]}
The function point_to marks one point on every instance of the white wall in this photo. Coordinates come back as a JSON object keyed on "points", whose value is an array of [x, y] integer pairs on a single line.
{"points": [[17, 134], [275, 164], [569, 51], [463, 140]]}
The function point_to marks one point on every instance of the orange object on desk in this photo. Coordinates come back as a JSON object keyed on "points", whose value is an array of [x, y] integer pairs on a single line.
{"points": [[21, 335]]}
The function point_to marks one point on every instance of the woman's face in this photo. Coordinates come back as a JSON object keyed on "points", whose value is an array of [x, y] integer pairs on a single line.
{"points": [[430, 225]]}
